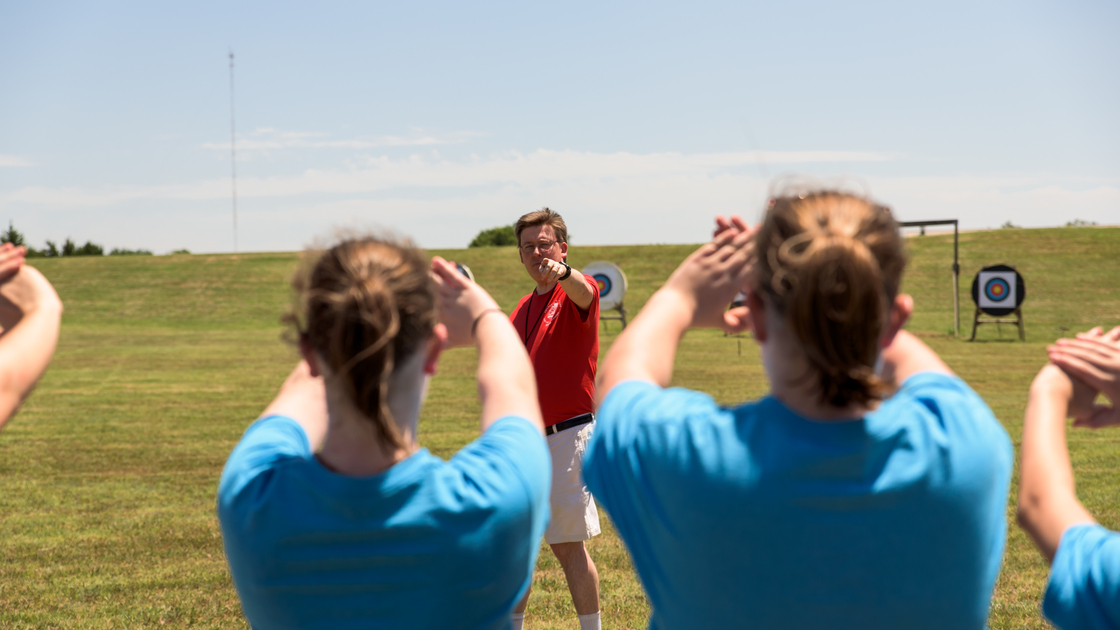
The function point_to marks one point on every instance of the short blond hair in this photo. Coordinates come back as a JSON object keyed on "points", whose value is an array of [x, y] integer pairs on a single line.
{"points": [[544, 216]]}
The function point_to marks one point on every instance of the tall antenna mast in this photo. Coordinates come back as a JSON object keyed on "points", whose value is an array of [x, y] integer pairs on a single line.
{"points": [[232, 151]]}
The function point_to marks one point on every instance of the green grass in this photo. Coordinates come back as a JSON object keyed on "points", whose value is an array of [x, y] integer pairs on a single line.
{"points": [[108, 474]]}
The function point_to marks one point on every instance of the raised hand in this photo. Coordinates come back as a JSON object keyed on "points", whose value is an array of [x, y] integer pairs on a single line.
{"points": [[551, 270], [710, 278], [11, 259], [461, 302], [1094, 359], [23, 291]]}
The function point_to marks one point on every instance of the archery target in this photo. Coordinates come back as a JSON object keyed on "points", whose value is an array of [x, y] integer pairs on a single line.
{"points": [[997, 289], [611, 281]]}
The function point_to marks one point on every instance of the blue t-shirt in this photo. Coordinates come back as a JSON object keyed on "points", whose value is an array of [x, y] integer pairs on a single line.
{"points": [[756, 517], [1084, 587], [425, 544]]}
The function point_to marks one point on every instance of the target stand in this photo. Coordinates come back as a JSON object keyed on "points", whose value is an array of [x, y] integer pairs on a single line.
{"points": [[998, 291], [612, 288]]}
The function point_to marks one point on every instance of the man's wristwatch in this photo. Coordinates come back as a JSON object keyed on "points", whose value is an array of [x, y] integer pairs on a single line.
{"points": [[567, 271]]}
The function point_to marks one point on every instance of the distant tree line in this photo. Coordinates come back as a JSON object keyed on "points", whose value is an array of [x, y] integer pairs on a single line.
{"points": [[69, 247], [495, 237]]}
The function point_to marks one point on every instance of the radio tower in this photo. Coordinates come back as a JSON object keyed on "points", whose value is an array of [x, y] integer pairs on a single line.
{"points": [[232, 151]]}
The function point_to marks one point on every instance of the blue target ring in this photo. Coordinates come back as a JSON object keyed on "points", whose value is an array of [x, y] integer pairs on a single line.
{"points": [[604, 284], [997, 289]]}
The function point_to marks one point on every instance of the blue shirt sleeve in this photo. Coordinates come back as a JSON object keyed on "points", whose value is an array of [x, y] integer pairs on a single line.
{"points": [[511, 451], [1084, 587], [639, 416], [266, 443]]}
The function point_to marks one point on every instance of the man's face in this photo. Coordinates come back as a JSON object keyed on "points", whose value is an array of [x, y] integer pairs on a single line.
{"points": [[537, 243]]}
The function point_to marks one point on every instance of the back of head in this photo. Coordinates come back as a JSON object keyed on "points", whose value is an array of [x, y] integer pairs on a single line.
{"points": [[830, 264], [544, 216], [367, 304]]}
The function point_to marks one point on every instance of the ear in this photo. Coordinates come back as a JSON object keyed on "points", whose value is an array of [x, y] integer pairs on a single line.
{"points": [[901, 309], [436, 343], [757, 315], [563, 251], [310, 355]]}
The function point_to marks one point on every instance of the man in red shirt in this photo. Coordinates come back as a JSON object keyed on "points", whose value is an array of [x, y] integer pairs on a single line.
{"points": [[559, 323]]}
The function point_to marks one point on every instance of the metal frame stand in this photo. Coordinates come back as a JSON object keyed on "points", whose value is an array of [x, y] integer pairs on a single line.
{"points": [[1018, 313], [621, 316]]}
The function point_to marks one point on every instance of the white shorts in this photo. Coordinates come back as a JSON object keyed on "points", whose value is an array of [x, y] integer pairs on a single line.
{"points": [[574, 517]]}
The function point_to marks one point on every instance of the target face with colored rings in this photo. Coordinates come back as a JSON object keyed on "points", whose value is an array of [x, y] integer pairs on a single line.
{"points": [[997, 289], [604, 284], [611, 281]]}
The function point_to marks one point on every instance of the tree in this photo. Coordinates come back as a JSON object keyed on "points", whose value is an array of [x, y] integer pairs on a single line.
{"points": [[52, 250], [12, 235], [495, 237], [90, 249], [68, 247]]}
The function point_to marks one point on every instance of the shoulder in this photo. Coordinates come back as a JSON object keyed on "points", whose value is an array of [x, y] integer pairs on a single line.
{"points": [[946, 397], [639, 415], [267, 443], [1084, 586], [511, 456], [521, 302]]}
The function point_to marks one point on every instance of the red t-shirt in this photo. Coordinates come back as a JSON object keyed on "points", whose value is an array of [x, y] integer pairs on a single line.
{"points": [[563, 344]]}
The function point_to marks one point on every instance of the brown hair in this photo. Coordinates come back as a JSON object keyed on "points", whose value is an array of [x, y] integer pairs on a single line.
{"points": [[544, 216], [367, 303], [830, 263]]}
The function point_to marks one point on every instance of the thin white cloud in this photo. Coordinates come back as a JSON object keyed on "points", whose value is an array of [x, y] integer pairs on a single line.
{"points": [[605, 197], [270, 139], [14, 161]]}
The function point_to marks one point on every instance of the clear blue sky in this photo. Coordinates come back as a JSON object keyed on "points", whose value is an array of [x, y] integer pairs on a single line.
{"points": [[639, 122]]}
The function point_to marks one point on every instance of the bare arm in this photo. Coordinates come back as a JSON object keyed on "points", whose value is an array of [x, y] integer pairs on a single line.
{"points": [[30, 314], [575, 285], [906, 356], [1048, 502], [303, 398], [506, 383], [695, 296]]}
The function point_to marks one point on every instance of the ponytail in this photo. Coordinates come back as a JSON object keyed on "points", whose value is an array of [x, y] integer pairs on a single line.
{"points": [[367, 304], [830, 264]]}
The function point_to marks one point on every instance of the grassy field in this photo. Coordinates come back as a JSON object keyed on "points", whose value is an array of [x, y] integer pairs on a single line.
{"points": [[108, 474]]}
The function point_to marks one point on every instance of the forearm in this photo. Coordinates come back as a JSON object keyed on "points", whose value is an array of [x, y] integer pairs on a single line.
{"points": [[1048, 502], [578, 290], [25, 353], [506, 382], [303, 398], [906, 356], [647, 348]]}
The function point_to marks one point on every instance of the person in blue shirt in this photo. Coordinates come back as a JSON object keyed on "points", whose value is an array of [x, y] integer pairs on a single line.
{"points": [[831, 502], [331, 515], [1083, 591]]}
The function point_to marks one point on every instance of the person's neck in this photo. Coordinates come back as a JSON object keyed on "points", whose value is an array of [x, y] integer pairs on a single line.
{"points": [[786, 367], [545, 287], [352, 448], [806, 402]]}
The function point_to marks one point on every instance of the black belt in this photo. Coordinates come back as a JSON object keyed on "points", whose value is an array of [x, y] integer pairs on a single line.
{"points": [[569, 423]]}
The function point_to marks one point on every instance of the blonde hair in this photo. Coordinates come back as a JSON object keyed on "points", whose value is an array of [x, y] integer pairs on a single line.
{"points": [[544, 216], [366, 304], [830, 263]]}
